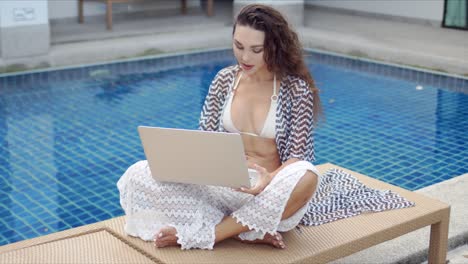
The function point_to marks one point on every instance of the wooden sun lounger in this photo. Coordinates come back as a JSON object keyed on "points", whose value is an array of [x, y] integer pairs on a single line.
{"points": [[106, 242]]}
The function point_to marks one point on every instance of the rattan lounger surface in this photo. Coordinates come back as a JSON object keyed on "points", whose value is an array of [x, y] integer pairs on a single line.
{"points": [[106, 242]]}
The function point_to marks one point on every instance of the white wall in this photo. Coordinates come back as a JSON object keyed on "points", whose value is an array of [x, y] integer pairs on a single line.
{"points": [[421, 9], [69, 8], [65, 8], [23, 13]]}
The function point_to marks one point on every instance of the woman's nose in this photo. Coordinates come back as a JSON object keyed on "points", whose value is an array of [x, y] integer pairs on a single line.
{"points": [[245, 56]]}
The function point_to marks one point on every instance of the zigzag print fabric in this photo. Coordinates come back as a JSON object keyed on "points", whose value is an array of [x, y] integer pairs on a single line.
{"points": [[341, 195]]}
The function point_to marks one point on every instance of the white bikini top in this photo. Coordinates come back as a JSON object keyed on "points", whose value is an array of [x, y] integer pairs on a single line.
{"points": [[269, 127]]}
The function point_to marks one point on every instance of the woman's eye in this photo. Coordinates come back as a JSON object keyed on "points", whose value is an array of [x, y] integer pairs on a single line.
{"points": [[257, 51], [239, 47]]}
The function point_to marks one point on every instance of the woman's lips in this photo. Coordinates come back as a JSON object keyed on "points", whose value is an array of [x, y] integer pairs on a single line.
{"points": [[246, 66]]}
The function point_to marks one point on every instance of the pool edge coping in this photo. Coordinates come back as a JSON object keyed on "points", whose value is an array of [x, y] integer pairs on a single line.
{"points": [[221, 49]]}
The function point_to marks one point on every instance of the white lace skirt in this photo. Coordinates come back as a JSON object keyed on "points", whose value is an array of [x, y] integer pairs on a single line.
{"points": [[195, 210]]}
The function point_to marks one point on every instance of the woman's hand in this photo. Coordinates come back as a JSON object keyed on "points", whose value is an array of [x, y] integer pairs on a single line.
{"points": [[264, 178]]}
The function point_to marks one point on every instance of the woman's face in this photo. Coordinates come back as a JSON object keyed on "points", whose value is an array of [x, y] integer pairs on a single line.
{"points": [[248, 49]]}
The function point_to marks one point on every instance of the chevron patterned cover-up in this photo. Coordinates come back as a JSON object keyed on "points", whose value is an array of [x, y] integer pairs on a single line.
{"points": [[341, 195]]}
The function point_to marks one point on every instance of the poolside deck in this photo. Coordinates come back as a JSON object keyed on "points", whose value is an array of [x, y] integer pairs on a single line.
{"points": [[389, 40], [370, 37]]}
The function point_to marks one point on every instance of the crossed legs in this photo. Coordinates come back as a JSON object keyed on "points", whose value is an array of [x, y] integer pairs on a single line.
{"points": [[229, 227]]}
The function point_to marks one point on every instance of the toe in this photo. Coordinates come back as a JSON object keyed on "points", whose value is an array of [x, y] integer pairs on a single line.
{"points": [[157, 244], [278, 241], [279, 244], [163, 232], [168, 238], [162, 244], [282, 245], [160, 234]]}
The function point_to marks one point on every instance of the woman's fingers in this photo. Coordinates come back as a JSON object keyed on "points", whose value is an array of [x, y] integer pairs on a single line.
{"points": [[254, 191], [260, 169], [246, 190], [257, 167], [261, 183]]}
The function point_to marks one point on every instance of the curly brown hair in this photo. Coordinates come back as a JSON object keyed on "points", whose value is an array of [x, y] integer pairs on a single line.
{"points": [[283, 51]]}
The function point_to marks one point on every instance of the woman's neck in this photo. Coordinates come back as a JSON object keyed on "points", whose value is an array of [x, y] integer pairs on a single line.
{"points": [[260, 76]]}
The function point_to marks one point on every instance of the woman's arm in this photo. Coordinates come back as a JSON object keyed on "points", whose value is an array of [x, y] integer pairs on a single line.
{"points": [[300, 141]]}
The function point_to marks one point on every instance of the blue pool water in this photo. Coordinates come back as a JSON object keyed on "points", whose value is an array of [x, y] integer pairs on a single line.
{"points": [[67, 136]]}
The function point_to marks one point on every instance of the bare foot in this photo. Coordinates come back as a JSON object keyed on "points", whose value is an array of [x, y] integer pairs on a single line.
{"points": [[274, 240], [165, 237]]}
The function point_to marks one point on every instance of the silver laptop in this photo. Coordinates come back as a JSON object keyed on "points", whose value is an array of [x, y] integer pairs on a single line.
{"points": [[195, 156]]}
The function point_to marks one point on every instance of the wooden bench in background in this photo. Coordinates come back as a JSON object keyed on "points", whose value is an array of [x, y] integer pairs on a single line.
{"points": [[109, 3]]}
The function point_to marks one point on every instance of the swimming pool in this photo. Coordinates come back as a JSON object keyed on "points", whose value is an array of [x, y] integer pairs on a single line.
{"points": [[67, 135]]}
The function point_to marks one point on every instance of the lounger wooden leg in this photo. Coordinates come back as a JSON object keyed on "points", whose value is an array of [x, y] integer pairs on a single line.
{"points": [[209, 7], [184, 7], [438, 241], [109, 14], [80, 12]]}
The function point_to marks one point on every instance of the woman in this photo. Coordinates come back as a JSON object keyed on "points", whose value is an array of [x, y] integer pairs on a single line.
{"points": [[270, 98]]}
